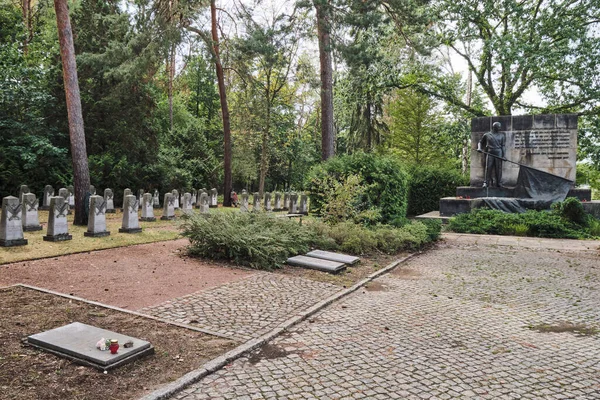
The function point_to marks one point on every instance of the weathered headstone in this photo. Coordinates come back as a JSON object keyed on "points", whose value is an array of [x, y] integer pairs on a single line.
{"points": [[147, 208], [293, 203], [156, 199], [186, 205], [303, 208], [131, 222], [194, 197], [256, 202], [181, 201], [11, 228], [176, 197], [140, 195], [64, 193], [71, 196], [48, 192], [30, 218], [277, 206], [204, 203], [58, 228], [96, 226], [286, 201], [168, 207], [213, 198], [244, 201], [126, 192], [109, 198], [92, 190], [268, 202], [23, 189]]}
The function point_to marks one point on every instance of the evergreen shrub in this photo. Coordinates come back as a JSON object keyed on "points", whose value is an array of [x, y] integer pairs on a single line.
{"points": [[383, 178], [427, 185]]}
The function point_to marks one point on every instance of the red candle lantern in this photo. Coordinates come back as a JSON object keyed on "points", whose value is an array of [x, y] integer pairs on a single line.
{"points": [[114, 346]]}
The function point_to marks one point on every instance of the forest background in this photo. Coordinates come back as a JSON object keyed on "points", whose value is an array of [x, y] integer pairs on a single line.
{"points": [[151, 103]]}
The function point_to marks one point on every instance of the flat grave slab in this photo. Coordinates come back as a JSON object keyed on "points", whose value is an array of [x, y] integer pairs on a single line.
{"points": [[331, 256], [316, 263], [77, 342]]}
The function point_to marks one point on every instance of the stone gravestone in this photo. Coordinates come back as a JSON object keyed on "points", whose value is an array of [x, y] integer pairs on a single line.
{"points": [[131, 222], [186, 205], [23, 189], [156, 199], [64, 193], [147, 208], [204, 203], [303, 204], [181, 202], [277, 200], [92, 190], [293, 203], [168, 207], [71, 196], [244, 201], [58, 227], [30, 213], [286, 201], [140, 195], [194, 197], [268, 202], [48, 192], [176, 197], [126, 192], [256, 202], [110, 201], [11, 228], [213, 198], [96, 226]]}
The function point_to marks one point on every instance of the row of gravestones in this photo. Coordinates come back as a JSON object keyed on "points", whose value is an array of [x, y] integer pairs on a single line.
{"points": [[291, 202]]}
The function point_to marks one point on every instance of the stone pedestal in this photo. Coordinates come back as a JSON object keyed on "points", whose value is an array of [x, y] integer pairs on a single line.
{"points": [[286, 201], [204, 203], [213, 203], [11, 228], [303, 208], [277, 202], [256, 202], [268, 206], [130, 215], [293, 207], [48, 192], [244, 201], [168, 207], [97, 217], [186, 205], [58, 227], [147, 208], [156, 199], [110, 202], [30, 205], [175, 194]]}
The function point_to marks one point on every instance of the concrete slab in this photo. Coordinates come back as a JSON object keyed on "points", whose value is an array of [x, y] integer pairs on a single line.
{"points": [[77, 341], [317, 263], [328, 255]]}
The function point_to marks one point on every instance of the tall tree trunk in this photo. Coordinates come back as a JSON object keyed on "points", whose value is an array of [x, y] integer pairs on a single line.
{"points": [[465, 146], [323, 33], [81, 174], [28, 23], [264, 154], [227, 184], [170, 77]]}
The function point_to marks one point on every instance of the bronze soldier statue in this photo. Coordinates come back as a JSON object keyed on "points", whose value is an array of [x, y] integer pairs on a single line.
{"points": [[493, 142]]}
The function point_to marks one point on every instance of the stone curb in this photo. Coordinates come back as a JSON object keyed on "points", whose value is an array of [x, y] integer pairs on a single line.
{"points": [[219, 362], [137, 314]]}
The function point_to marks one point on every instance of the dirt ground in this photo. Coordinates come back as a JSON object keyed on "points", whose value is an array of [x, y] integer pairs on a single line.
{"points": [[27, 373], [129, 277]]}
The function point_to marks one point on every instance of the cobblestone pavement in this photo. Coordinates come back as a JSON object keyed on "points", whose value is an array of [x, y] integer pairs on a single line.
{"points": [[456, 322], [245, 309]]}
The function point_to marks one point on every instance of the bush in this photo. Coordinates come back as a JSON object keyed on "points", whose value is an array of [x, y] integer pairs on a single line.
{"points": [[256, 240], [383, 178], [571, 210], [427, 185]]}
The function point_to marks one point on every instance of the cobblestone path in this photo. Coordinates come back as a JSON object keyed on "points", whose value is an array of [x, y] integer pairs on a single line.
{"points": [[245, 309], [456, 322]]}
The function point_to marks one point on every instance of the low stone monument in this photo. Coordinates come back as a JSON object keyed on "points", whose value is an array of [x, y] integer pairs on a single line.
{"points": [[176, 198], [204, 203], [256, 202], [186, 205], [58, 227], [48, 192], [213, 198], [293, 203], [131, 222], [277, 202], [140, 195], [96, 226], [303, 208], [71, 196], [147, 208], [23, 189], [64, 193], [109, 198], [92, 190], [194, 197], [268, 202], [156, 199], [286, 201], [244, 201], [30, 205], [11, 228], [168, 207], [126, 192]]}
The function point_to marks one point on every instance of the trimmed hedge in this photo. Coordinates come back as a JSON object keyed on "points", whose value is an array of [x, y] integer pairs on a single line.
{"points": [[384, 178], [427, 185]]}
